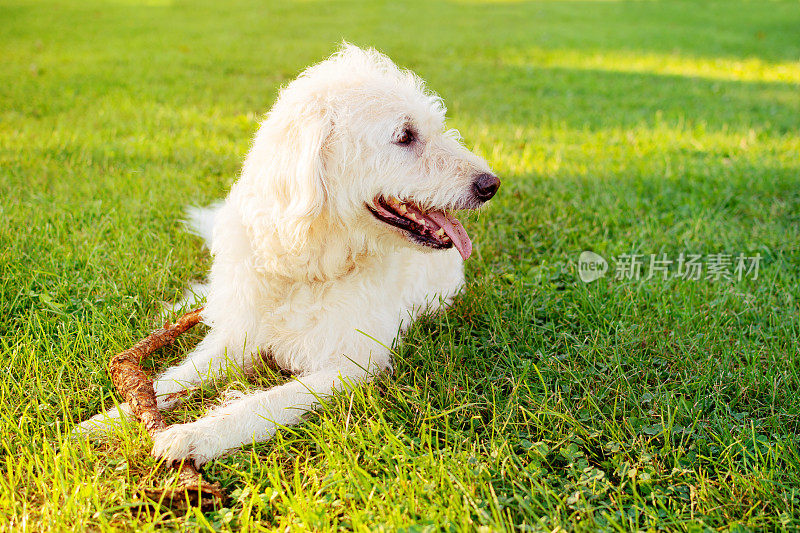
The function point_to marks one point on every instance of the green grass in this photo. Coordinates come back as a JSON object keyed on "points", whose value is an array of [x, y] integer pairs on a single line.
{"points": [[538, 401]]}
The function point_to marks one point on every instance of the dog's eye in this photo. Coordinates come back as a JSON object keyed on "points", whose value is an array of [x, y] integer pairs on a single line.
{"points": [[405, 138]]}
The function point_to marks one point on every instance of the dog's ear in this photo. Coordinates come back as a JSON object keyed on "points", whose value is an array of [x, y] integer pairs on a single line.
{"points": [[294, 140], [303, 189]]}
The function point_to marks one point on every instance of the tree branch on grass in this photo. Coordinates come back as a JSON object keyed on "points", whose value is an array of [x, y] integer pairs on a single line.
{"points": [[137, 389]]}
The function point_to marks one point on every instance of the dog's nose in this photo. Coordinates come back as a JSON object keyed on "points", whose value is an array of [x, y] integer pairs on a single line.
{"points": [[485, 185]]}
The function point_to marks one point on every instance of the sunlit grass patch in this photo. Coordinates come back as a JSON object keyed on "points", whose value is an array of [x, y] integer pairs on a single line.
{"points": [[738, 69]]}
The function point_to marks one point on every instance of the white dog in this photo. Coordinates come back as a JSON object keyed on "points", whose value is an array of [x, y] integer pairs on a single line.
{"points": [[337, 235]]}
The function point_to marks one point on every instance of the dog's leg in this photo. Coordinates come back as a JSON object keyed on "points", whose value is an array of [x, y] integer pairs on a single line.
{"points": [[205, 363], [253, 417]]}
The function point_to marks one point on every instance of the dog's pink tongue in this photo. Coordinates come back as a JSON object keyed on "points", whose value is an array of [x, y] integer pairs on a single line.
{"points": [[454, 230]]}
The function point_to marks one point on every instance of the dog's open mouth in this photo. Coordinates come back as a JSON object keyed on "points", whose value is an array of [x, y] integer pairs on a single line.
{"points": [[435, 228]]}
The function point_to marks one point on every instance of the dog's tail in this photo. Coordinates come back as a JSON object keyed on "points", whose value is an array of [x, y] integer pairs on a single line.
{"points": [[200, 221], [193, 297]]}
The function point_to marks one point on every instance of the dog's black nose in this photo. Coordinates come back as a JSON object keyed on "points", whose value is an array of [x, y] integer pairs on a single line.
{"points": [[485, 185]]}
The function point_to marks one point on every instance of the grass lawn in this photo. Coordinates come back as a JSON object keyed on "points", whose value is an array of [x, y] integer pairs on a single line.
{"points": [[539, 401]]}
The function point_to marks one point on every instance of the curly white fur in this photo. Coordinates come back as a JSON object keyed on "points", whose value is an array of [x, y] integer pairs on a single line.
{"points": [[301, 268]]}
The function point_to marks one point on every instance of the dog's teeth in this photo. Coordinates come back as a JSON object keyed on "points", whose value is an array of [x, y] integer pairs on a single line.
{"points": [[402, 209], [441, 234]]}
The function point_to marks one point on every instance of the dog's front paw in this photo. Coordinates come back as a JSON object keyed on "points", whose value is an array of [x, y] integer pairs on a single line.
{"points": [[186, 442]]}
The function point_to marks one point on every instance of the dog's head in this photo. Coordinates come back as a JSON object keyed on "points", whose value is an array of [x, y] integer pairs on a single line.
{"points": [[356, 145]]}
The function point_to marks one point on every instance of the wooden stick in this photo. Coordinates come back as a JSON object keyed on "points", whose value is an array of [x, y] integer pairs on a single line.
{"points": [[137, 389]]}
